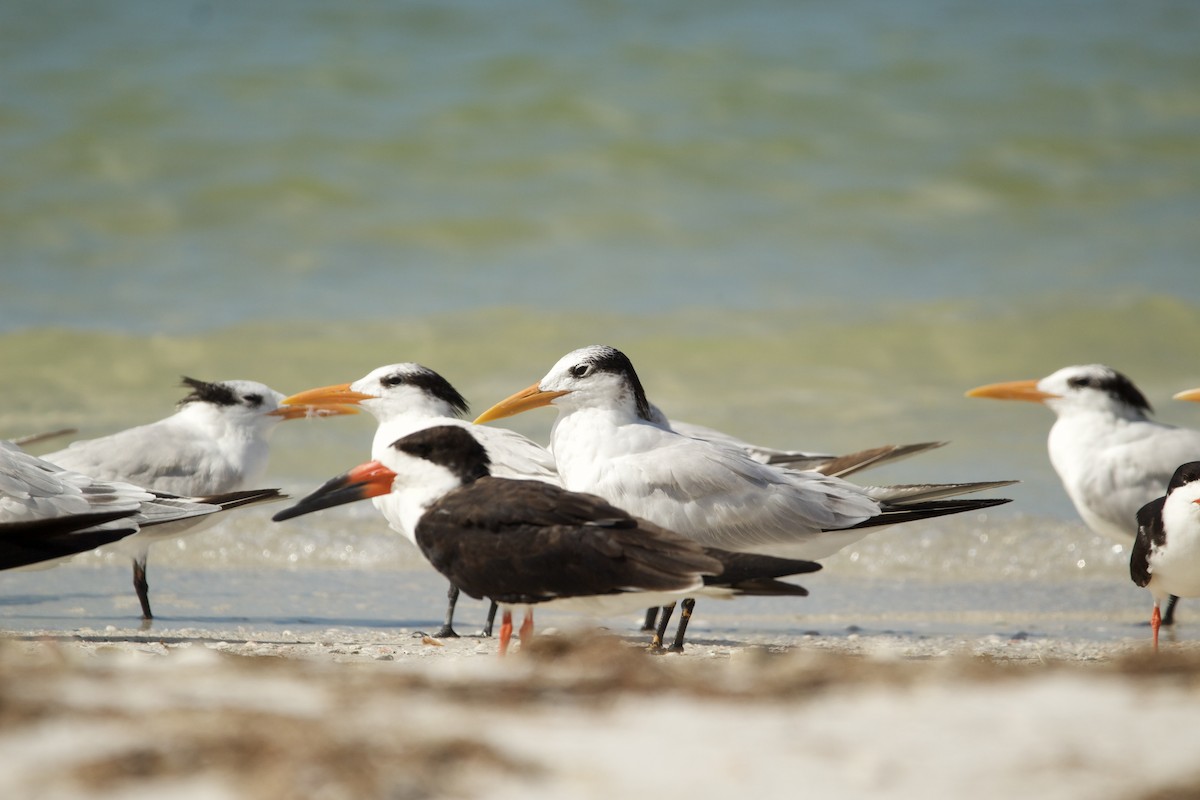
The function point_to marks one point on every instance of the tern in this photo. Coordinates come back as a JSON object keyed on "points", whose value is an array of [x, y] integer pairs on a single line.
{"points": [[216, 442], [48, 513], [408, 397], [606, 441], [522, 543], [1111, 457], [1166, 551]]}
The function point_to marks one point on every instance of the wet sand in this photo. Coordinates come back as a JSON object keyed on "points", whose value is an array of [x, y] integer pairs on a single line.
{"points": [[204, 713]]}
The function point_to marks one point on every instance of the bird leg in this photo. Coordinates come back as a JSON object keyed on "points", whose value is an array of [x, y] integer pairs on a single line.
{"points": [[447, 629], [1155, 623], [661, 631], [526, 632], [487, 628], [142, 586], [651, 616], [1168, 617], [685, 616], [505, 631]]}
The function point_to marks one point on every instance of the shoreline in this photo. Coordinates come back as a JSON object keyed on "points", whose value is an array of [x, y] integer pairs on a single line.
{"points": [[582, 713]]}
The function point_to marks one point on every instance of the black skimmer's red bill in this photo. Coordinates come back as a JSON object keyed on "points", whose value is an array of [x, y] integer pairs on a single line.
{"points": [[409, 397], [607, 441], [216, 442], [49, 513], [525, 543], [1111, 457], [1166, 552]]}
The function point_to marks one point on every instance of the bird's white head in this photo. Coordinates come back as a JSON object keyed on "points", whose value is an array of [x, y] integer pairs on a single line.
{"points": [[386, 393], [407, 389], [1086, 388], [597, 376], [245, 405]]}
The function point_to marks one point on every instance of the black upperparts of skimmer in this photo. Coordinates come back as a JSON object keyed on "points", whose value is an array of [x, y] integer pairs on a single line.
{"points": [[1111, 457], [523, 543], [607, 441], [1166, 552], [408, 397], [217, 441]]}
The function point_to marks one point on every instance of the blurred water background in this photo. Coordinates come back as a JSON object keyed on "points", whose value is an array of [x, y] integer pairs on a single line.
{"points": [[811, 224]]}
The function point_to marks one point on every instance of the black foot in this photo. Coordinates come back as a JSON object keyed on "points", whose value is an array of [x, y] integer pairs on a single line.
{"points": [[445, 632], [651, 618]]}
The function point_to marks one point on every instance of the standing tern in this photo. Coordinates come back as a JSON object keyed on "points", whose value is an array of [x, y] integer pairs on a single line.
{"points": [[607, 442], [48, 513], [1166, 551], [1111, 457], [407, 397], [216, 442], [523, 543]]}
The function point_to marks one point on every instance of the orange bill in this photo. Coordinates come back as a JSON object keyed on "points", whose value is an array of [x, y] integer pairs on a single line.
{"points": [[533, 397]]}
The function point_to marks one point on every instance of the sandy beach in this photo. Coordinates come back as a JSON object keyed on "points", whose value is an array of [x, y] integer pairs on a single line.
{"points": [[209, 713]]}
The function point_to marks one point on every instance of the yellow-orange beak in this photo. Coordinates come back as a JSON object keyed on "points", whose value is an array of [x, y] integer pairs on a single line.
{"points": [[1190, 394], [533, 397], [327, 401], [1012, 390], [311, 412]]}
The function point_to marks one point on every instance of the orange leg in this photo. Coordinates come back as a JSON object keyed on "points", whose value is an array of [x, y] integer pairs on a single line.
{"points": [[527, 628], [1155, 623], [505, 631]]}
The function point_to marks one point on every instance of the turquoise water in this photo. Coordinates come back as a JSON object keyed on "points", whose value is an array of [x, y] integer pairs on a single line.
{"points": [[186, 166], [811, 224]]}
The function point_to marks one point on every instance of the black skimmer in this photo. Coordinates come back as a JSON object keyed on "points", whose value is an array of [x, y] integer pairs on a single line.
{"points": [[216, 442], [1111, 457], [523, 543], [607, 442], [1166, 551]]}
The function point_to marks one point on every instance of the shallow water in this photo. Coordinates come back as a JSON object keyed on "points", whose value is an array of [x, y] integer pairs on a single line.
{"points": [[1022, 578], [810, 225]]}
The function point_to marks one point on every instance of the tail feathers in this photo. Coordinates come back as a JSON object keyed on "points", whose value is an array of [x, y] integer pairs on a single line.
{"points": [[740, 567], [907, 494], [841, 466], [38, 438], [43, 541], [761, 587], [249, 497], [893, 514]]}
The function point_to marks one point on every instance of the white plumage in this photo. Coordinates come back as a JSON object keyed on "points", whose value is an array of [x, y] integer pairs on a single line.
{"points": [[1111, 457], [610, 441], [216, 442]]}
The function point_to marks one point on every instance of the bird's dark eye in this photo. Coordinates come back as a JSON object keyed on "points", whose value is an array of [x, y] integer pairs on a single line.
{"points": [[391, 380], [1080, 383], [579, 370], [254, 400]]}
